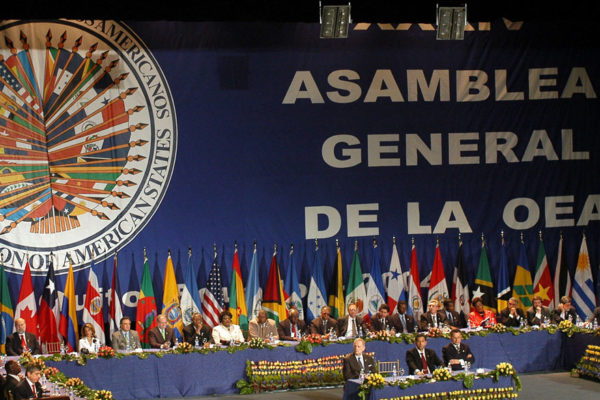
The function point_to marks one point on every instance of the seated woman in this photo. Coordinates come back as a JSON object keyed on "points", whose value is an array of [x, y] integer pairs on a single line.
{"points": [[226, 332], [88, 343], [480, 316]]}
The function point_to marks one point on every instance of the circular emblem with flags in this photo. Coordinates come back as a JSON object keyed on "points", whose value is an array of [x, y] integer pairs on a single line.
{"points": [[88, 139]]}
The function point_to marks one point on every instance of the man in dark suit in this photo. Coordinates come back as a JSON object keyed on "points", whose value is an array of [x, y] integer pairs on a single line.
{"points": [[30, 387], [457, 354], [357, 361], [453, 318], [421, 360], [381, 320], [564, 311], [20, 341], [433, 318], [293, 327], [324, 324], [161, 336], [538, 313], [197, 331], [512, 315], [401, 321], [13, 369], [595, 316], [350, 325]]}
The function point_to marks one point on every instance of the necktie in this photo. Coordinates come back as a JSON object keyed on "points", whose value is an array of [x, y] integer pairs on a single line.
{"points": [[127, 337], [360, 360], [162, 331], [434, 320], [403, 320], [457, 347], [451, 318], [324, 327], [424, 361], [294, 331], [23, 342], [33, 389], [383, 323], [354, 330]]}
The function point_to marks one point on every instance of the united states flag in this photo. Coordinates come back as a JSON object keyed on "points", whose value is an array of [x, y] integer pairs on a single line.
{"points": [[212, 300]]}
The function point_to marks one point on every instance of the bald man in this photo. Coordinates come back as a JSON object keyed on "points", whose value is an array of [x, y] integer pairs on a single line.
{"points": [[21, 340], [262, 327]]}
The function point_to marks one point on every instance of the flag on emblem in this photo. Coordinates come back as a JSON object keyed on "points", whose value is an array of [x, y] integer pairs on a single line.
{"points": [[584, 298], [190, 298], [49, 312], [396, 289], [414, 286], [273, 300], [562, 276], [336, 288], [355, 290], [438, 288], [292, 286], [460, 286], [68, 317], [542, 281], [316, 290], [237, 300], [253, 289], [212, 301], [26, 307], [522, 285], [171, 308], [484, 287], [146, 307], [92, 310]]}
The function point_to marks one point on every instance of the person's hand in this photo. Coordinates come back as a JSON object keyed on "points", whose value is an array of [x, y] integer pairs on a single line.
{"points": [[206, 345], [513, 311], [454, 361]]}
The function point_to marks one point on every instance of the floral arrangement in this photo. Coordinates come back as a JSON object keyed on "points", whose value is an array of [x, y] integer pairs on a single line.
{"points": [[382, 335], [27, 359], [505, 369], [565, 325], [50, 372], [375, 381], [256, 343], [435, 332], [441, 374], [103, 395], [73, 382], [183, 348], [314, 338], [499, 328], [106, 352], [589, 365], [479, 394]]}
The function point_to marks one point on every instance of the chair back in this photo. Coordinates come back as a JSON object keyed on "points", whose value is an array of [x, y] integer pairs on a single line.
{"points": [[387, 367]]}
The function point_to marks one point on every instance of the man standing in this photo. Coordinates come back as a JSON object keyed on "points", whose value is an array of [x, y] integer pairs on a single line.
{"points": [[197, 331], [21, 341], [161, 336], [432, 318], [293, 327], [457, 354], [350, 325], [512, 315], [420, 360], [30, 387], [262, 327], [125, 338], [357, 361], [537, 313], [323, 324], [402, 322]]}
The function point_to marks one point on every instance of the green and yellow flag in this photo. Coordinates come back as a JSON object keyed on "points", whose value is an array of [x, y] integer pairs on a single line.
{"points": [[237, 300], [523, 285], [484, 287]]}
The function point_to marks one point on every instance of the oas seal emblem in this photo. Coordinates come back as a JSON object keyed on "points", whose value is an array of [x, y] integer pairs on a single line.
{"points": [[88, 139]]}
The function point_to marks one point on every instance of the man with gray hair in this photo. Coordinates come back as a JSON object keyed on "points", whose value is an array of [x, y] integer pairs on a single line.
{"points": [[358, 361], [512, 315], [161, 336]]}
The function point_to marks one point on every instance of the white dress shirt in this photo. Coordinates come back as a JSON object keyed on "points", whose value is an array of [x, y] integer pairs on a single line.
{"points": [[220, 332]]}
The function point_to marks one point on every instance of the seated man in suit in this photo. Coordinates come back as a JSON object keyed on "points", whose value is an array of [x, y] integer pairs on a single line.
{"points": [[357, 361], [381, 320], [433, 318], [30, 387], [564, 311], [512, 315], [161, 336], [324, 324], [401, 321], [453, 318], [538, 313], [20, 340], [197, 331], [293, 327], [595, 316], [421, 360], [457, 354], [13, 377], [125, 338], [351, 325], [262, 327]]}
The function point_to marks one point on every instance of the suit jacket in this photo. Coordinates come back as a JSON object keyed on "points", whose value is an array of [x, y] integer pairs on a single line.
{"points": [[457, 320], [156, 339], [119, 343], [14, 347], [351, 367], [413, 360], [556, 315], [426, 319], [533, 320], [595, 315], [285, 329], [342, 325], [190, 335], [255, 330], [449, 352], [377, 323], [9, 386], [397, 323], [507, 320], [23, 390], [316, 325]]}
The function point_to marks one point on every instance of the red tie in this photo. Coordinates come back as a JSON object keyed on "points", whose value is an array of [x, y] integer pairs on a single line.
{"points": [[294, 330], [33, 389], [425, 367], [23, 342]]}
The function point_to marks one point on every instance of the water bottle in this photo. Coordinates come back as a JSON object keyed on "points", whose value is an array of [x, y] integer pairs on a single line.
{"points": [[270, 337], [578, 323], [394, 373], [522, 324], [196, 342], [362, 374], [469, 324], [360, 332], [595, 324]]}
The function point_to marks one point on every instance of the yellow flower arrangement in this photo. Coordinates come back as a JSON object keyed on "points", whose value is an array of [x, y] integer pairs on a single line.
{"points": [[441, 374]]}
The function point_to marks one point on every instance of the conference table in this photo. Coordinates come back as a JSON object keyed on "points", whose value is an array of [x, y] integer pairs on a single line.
{"points": [[196, 374]]}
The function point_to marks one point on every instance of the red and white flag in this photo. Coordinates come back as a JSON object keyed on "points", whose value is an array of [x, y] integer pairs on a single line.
{"points": [[27, 307], [438, 289], [115, 310], [92, 310]]}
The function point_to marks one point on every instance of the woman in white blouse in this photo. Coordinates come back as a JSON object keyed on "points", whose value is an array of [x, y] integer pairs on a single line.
{"points": [[225, 332], [89, 342]]}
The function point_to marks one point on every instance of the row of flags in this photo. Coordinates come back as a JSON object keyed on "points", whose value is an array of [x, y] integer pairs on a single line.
{"points": [[53, 322]]}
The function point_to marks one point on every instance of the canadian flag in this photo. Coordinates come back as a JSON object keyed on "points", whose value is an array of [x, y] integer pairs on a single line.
{"points": [[92, 311], [27, 308]]}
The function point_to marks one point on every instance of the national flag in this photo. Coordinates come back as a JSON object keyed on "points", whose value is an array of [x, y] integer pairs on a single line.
{"points": [[253, 289], [584, 298], [190, 297], [316, 290], [504, 293], [212, 301], [438, 288], [414, 286], [171, 308], [68, 327], [6, 309], [26, 307], [375, 291], [396, 288], [92, 310], [336, 288], [461, 297], [115, 307], [355, 290], [292, 286], [522, 285], [49, 312], [562, 277], [237, 299], [146, 312], [273, 300], [542, 281], [484, 287]]}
